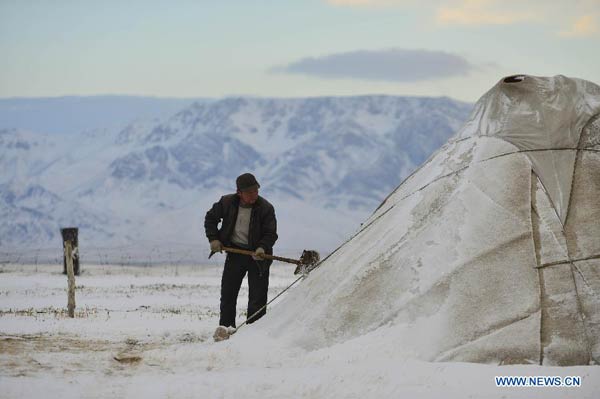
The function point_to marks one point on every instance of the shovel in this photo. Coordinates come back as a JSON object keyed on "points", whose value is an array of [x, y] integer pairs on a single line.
{"points": [[304, 265], [307, 262]]}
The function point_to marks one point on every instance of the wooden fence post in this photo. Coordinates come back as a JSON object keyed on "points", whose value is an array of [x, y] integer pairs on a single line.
{"points": [[70, 234], [70, 277]]}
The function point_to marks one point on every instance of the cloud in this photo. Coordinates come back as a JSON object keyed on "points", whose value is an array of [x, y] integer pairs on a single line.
{"points": [[475, 13], [481, 12], [586, 25], [394, 65]]}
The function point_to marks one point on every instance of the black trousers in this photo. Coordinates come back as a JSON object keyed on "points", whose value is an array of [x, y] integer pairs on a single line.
{"points": [[236, 267]]}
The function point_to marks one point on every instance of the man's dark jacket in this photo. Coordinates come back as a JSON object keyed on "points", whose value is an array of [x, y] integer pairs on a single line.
{"points": [[262, 231]]}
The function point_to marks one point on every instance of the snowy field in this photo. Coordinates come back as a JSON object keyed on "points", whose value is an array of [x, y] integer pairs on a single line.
{"points": [[146, 332]]}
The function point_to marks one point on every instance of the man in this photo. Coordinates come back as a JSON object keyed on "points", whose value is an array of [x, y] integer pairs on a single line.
{"points": [[248, 222]]}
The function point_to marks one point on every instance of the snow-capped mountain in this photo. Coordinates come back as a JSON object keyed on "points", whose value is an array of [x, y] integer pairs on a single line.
{"points": [[33, 215], [325, 163], [319, 148]]}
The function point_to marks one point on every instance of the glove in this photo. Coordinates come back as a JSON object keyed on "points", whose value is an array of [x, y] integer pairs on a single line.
{"points": [[216, 246], [260, 252]]}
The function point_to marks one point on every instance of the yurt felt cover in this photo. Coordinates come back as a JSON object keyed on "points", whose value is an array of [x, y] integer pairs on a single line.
{"points": [[489, 252]]}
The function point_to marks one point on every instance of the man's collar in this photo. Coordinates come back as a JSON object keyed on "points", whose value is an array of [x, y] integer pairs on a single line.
{"points": [[257, 204]]}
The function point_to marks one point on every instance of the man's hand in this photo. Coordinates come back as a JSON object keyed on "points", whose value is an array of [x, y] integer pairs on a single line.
{"points": [[260, 252], [216, 246]]}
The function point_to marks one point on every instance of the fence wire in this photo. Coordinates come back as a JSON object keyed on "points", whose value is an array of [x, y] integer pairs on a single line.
{"points": [[139, 254]]}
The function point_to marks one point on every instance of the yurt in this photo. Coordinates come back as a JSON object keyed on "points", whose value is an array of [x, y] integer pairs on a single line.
{"points": [[489, 252]]}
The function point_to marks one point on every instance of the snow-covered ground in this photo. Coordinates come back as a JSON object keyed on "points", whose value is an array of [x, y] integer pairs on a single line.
{"points": [[158, 321]]}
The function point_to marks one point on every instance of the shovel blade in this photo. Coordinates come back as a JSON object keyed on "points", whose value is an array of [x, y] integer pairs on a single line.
{"points": [[308, 261]]}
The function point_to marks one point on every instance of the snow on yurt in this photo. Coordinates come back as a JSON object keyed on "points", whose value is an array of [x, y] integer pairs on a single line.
{"points": [[489, 252]]}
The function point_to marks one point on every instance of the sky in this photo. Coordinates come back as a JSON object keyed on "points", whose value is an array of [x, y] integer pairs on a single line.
{"points": [[291, 48]]}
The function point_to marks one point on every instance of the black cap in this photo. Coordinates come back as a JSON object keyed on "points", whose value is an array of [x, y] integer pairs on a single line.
{"points": [[246, 182]]}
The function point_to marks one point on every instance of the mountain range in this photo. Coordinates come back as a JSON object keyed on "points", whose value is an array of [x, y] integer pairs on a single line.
{"points": [[325, 164]]}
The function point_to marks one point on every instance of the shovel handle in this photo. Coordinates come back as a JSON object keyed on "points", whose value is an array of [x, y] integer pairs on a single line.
{"points": [[265, 256]]}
